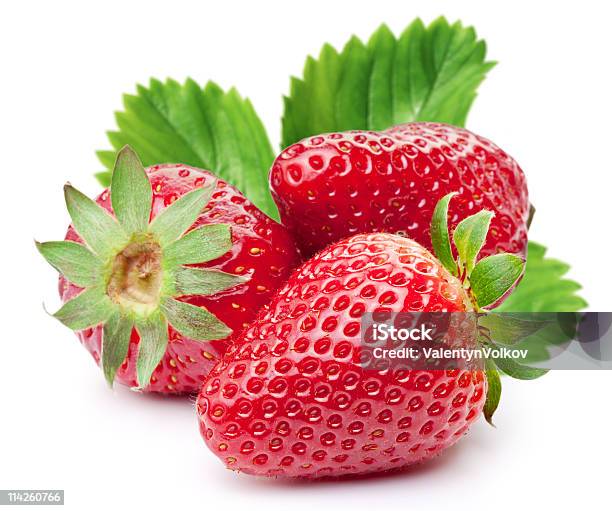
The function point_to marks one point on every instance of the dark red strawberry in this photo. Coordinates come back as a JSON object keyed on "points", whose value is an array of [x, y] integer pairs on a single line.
{"points": [[292, 396], [331, 186], [144, 275]]}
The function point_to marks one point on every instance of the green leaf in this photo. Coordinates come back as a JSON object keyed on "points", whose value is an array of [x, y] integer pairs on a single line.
{"points": [[439, 234], [469, 237], [380, 106], [203, 127], [89, 308], [105, 177], [131, 193], [519, 371], [173, 221], [94, 224], [543, 287], [115, 344], [199, 245], [510, 328], [193, 322], [73, 260], [494, 276], [153, 332], [547, 342], [426, 74], [202, 281], [493, 391], [353, 86]]}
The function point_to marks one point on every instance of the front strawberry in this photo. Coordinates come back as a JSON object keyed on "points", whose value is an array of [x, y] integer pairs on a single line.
{"points": [[157, 274], [293, 398], [334, 185]]}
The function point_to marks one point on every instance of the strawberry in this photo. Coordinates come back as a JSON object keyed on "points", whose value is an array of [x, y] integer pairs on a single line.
{"points": [[292, 398], [338, 184], [161, 268]]}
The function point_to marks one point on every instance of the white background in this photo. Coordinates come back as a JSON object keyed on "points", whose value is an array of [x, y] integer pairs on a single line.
{"points": [[63, 69]]}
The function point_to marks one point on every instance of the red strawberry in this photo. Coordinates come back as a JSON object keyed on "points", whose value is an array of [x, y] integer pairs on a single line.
{"points": [[335, 185], [291, 398], [144, 276]]}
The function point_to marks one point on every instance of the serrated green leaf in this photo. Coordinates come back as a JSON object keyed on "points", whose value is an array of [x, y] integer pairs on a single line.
{"points": [[519, 371], [104, 178], [494, 388], [131, 192], [203, 127], [439, 234], [201, 281], [353, 87], [469, 237], [193, 322], [494, 276], [153, 332], [510, 328], [89, 308], [426, 74], [380, 105], [100, 231], [108, 159], [543, 287], [200, 245], [73, 260], [115, 343], [547, 342], [173, 221]]}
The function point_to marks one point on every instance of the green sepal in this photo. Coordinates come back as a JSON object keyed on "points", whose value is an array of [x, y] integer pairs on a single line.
{"points": [[131, 193], [199, 245], [469, 237], [439, 234], [173, 221], [73, 260], [100, 231], [494, 276], [519, 371], [509, 328], [494, 388], [159, 249], [153, 332], [200, 281], [115, 343], [193, 321], [88, 309]]}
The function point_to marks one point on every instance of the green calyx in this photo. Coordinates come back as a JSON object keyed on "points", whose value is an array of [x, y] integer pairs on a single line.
{"points": [[133, 269], [487, 280]]}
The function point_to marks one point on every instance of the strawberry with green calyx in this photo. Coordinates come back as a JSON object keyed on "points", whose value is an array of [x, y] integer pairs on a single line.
{"points": [[488, 281], [291, 397], [158, 273]]}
